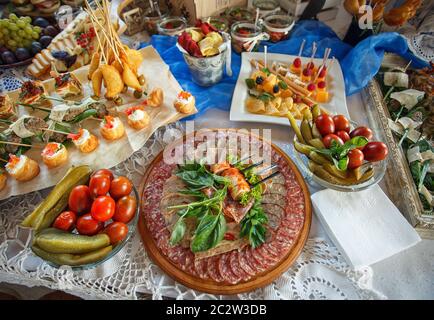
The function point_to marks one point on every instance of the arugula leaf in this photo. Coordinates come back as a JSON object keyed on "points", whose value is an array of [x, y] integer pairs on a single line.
{"points": [[178, 231], [250, 83]]}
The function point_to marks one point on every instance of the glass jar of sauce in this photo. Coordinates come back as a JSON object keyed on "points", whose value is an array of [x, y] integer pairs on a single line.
{"points": [[171, 26], [245, 36], [278, 26]]}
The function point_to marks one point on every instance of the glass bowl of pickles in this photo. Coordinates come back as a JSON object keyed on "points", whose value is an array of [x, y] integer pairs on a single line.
{"points": [[336, 153]]}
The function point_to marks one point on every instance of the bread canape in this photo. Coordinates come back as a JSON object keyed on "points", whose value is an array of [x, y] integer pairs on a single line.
{"points": [[84, 140], [112, 128], [32, 92], [137, 117], [67, 85], [7, 108], [184, 102], [22, 168], [54, 154], [3, 179]]}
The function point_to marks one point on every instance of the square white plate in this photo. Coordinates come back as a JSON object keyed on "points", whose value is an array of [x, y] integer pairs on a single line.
{"points": [[335, 84]]}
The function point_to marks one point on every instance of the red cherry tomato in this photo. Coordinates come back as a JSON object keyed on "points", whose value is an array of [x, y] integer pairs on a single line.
{"points": [[343, 135], [125, 209], [80, 200], [375, 151], [327, 140], [341, 123], [99, 185], [117, 231], [325, 124], [120, 187], [65, 221], [103, 172], [103, 208], [88, 226], [355, 158], [362, 131]]}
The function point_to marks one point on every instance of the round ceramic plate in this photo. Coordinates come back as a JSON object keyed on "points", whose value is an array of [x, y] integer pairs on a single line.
{"points": [[286, 203]]}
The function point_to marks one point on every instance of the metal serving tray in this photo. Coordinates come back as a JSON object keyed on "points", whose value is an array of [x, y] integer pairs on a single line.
{"points": [[398, 181]]}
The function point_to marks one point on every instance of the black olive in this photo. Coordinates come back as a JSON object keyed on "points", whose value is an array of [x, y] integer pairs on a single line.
{"points": [[259, 80], [276, 88]]}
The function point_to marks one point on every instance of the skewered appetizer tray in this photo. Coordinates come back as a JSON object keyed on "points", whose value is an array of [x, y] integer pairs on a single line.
{"points": [[102, 133], [232, 236], [399, 181]]}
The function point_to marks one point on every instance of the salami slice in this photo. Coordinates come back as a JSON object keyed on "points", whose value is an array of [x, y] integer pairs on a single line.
{"points": [[267, 256], [262, 261], [225, 269], [200, 265], [213, 271], [244, 264], [254, 264], [234, 263]]}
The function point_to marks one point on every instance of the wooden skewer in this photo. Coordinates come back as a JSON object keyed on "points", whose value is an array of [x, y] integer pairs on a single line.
{"points": [[22, 144], [55, 131], [301, 48], [3, 160]]}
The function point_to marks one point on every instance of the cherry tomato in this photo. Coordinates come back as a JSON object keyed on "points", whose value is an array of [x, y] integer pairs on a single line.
{"points": [[80, 200], [125, 209], [327, 140], [325, 124], [117, 231], [120, 187], [103, 172], [88, 226], [355, 158], [65, 221], [99, 185], [343, 135], [103, 208], [341, 123], [375, 151], [362, 131]]}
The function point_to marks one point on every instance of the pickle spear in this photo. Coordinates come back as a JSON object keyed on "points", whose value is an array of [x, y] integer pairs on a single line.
{"points": [[306, 130], [295, 127], [56, 241], [317, 143], [303, 148], [72, 259], [74, 176]]}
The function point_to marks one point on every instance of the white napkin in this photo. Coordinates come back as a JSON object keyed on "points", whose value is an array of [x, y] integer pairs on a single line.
{"points": [[366, 226]]}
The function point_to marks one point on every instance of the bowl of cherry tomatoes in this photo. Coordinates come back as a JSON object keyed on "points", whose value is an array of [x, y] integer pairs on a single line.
{"points": [[337, 153], [97, 222]]}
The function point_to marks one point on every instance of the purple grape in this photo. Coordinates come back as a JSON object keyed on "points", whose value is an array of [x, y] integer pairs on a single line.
{"points": [[22, 54], [8, 57], [36, 47], [41, 22], [51, 31], [45, 41]]}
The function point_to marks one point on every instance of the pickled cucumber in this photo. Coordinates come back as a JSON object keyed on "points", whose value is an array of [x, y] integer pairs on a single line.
{"points": [[303, 148], [317, 143], [56, 241], [295, 127], [72, 259], [306, 130]]}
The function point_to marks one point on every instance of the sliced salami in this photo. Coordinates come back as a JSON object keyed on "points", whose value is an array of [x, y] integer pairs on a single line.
{"points": [[244, 264], [225, 269], [254, 264], [234, 263], [200, 265], [213, 271]]}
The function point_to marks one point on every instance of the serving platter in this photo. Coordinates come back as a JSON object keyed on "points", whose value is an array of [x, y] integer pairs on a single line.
{"points": [[335, 82], [180, 263], [398, 180]]}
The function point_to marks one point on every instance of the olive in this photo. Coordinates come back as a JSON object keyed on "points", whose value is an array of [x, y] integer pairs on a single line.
{"points": [[118, 101], [138, 94], [141, 79]]}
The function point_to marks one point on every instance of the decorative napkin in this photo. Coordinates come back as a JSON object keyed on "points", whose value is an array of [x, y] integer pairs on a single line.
{"points": [[366, 226]]}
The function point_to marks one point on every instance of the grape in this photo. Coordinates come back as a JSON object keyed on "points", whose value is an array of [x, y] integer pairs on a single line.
{"points": [[14, 27], [35, 35], [21, 24], [12, 43], [37, 29], [28, 30], [28, 19], [22, 33], [13, 17]]}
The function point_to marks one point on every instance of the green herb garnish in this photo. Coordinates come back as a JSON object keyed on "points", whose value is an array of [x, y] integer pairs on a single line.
{"points": [[250, 83], [252, 225]]}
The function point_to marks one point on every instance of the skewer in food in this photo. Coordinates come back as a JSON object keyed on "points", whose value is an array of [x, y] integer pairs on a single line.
{"points": [[22, 168], [54, 154], [185, 102], [84, 140], [137, 117], [112, 128], [33, 92]]}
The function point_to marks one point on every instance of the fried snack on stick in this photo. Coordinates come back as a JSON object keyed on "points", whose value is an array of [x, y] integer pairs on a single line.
{"points": [[118, 66], [96, 82], [113, 80], [129, 78], [94, 65]]}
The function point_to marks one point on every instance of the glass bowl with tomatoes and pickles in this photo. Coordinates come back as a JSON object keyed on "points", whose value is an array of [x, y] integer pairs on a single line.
{"points": [[86, 219], [336, 153]]}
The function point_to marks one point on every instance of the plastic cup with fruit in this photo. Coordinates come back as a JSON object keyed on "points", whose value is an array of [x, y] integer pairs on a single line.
{"points": [[278, 26], [336, 153], [246, 36], [23, 37]]}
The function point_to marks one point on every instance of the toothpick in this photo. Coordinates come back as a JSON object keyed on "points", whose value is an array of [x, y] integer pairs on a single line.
{"points": [[301, 47], [27, 105], [21, 144], [326, 56], [313, 52], [265, 56], [51, 130]]}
